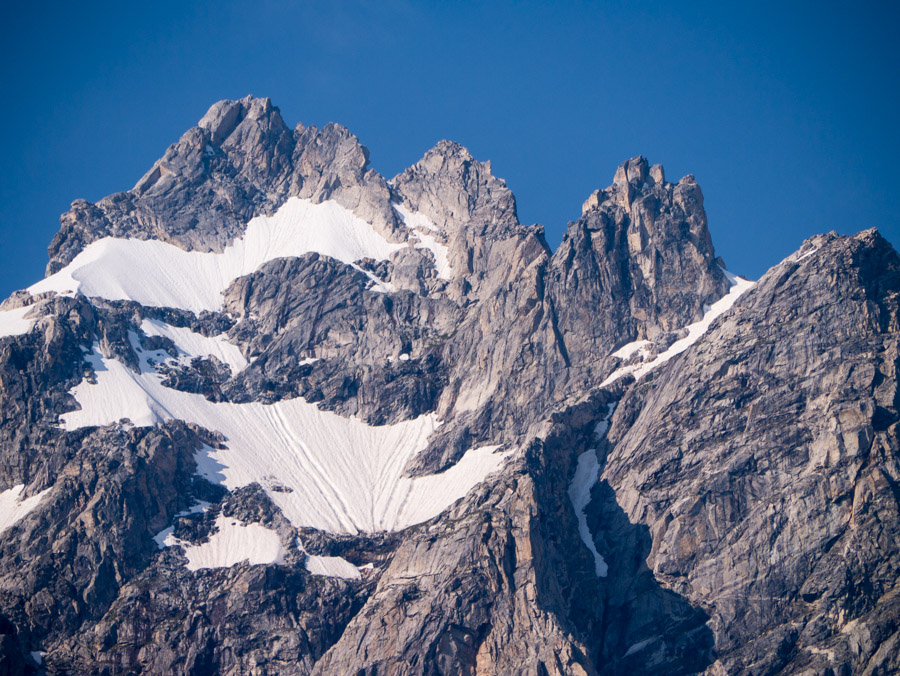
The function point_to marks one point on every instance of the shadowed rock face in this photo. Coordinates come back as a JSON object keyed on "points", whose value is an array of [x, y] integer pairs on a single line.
{"points": [[746, 502]]}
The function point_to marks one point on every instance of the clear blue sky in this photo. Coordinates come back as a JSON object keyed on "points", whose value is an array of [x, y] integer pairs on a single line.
{"points": [[786, 112]]}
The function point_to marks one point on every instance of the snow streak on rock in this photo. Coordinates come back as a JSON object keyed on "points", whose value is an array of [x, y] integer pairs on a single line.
{"points": [[580, 492], [421, 225], [738, 286]]}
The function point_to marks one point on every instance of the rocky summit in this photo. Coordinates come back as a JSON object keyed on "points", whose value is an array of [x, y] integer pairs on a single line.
{"points": [[270, 412]]}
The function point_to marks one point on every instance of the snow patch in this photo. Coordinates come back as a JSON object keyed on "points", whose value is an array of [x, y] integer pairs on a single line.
{"points": [[440, 253], [332, 566], [38, 656], [333, 473], [13, 322], [414, 220], [627, 350], [640, 645], [231, 544], [586, 473], [420, 224], [191, 344], [13, 509], [162, 275], [739, 285]]}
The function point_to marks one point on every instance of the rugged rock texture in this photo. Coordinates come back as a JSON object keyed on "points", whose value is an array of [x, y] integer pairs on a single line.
{"points": [[240, 161], [640, 261], [765, 464], [474, 211], [456, 191], [498, 585], [270, 618], [317, 308], [747, 502]]}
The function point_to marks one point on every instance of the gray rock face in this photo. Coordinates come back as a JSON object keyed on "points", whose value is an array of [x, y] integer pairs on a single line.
{"points": [[169, 619], [317, 308], [640, 259], [745, 507], [239, 162], [765, 461], [499, 585], [455, 191]]}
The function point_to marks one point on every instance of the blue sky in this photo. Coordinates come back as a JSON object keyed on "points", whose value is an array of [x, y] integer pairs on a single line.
{"points": [[785, 112]]}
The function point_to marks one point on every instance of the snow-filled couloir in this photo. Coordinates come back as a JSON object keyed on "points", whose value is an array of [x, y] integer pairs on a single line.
{"points": [[586, 472]]}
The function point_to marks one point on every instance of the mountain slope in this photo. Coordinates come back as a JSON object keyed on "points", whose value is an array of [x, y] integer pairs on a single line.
{"points": [[272, 413], [765, 464]]}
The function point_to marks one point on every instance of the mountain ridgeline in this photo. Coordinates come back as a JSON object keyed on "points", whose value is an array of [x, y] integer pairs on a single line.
{"points": [[272, 413]]}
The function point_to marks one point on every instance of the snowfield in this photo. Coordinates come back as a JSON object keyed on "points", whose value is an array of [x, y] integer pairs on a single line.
{"points": [[323, 470], [231, 544], [157, 274], [162, 275]]}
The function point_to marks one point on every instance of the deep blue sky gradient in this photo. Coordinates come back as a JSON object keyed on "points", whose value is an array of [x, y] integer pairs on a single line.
{"points": [[785, 112]]}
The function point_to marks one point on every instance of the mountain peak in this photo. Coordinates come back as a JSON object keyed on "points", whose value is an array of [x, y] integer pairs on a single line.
{"points": [[224, 116], [634, 171], [455, 190], [635, 175], [453, 153]]}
